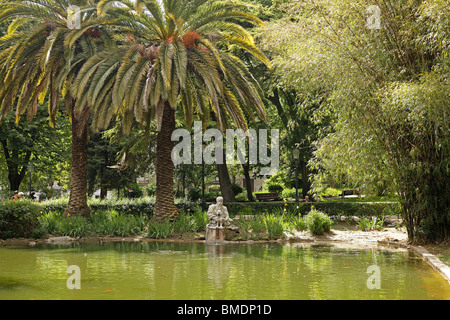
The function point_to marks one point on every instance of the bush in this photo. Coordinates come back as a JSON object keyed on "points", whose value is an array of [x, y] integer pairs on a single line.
{"points": [[236, 188], [242, 197], [200, 220], [331, 208], [73, 226], [186, 222], [18, 218], [160, 230], [291, 193], [142, 205], [317, 222], [194, 194], [151, 189], [275, 187], [48, 223], [183, 223], [367, 224], [274, 225], [214, 191], [330, 192], [298, 222], [112, 223]]}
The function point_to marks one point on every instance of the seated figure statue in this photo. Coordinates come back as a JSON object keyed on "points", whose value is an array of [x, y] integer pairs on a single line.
{"points": [[218, 215]]}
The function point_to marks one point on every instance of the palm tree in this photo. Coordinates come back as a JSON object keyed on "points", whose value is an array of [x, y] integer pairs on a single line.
{"points": [[39, 57], [173, 53]]}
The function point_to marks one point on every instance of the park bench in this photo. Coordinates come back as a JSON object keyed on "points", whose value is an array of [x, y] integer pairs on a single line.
{"points": [[268, 196]]}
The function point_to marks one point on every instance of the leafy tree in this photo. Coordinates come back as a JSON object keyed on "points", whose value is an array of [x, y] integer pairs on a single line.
{"points": [[388, 87], [40, 56], [32, 141], [172, 56]]}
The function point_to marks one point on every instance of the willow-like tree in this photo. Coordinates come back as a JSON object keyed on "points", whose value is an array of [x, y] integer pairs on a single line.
{"points": [[173, 54], [39, 57], [383, 69]]}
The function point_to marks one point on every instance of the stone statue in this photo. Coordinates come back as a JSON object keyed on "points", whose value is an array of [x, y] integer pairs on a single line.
{"points": [[218, 215]]}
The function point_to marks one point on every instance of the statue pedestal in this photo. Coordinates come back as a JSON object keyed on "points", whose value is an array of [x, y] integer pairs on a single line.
{"points": [[215, 234], [220, 228]]}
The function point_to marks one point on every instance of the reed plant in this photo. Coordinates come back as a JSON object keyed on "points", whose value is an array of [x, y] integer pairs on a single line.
{"points": [[160, 230]]}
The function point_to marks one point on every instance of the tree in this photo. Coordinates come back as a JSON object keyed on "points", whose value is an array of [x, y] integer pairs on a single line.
{"points": [[40, 58], [32, 141], [387, 84], [173, 56]]}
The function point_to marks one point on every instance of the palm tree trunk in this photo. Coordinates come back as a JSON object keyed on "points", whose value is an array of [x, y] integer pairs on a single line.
{"points": [[165, 204], [78, 179]]}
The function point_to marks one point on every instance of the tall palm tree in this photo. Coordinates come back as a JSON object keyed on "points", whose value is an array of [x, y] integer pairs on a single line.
{"points": [[173, 53], [39, 57]]}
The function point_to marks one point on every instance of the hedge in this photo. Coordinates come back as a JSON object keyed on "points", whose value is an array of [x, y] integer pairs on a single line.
{"points": [[330, 208], [142, 205], [18, 218], [146, 205]]}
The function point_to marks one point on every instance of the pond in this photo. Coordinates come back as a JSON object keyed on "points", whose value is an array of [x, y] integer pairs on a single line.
{"points": [[184, 271]]}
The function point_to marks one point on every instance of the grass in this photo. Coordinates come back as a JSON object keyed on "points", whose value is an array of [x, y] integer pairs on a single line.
{"points": [[442, 251]]}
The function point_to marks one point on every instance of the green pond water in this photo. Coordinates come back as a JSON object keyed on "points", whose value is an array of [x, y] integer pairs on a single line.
{"points": [[168, 270]]}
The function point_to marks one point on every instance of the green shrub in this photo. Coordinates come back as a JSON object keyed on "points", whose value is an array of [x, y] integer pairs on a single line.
{"points": [[275, 187], [160, 230], [291, 193], [112, 223], [200, 220], [251, 228], [184, 223], [236, 188], [274, 225], [73, 226], [143, 205], [298, 222], [48, 223], [330, 192], [151, 189], [331, 208], [242, 197], [317, 222], [367, 224], [18, 218]]}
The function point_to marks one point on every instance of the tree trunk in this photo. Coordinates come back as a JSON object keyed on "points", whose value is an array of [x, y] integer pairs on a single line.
{"points": [[248, 184], [165, 204], [78, 178], [15, 175], [306, 184], [225, 181]]}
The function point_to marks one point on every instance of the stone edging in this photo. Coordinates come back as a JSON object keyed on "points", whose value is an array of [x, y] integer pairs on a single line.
{"points": [[431, 259], [434, 261]]}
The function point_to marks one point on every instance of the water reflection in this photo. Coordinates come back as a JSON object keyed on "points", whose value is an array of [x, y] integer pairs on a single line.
{"points": [[165, 270]]}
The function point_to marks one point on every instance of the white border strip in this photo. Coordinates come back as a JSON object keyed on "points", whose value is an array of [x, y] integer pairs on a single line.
{"points": [[432, 260]]}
